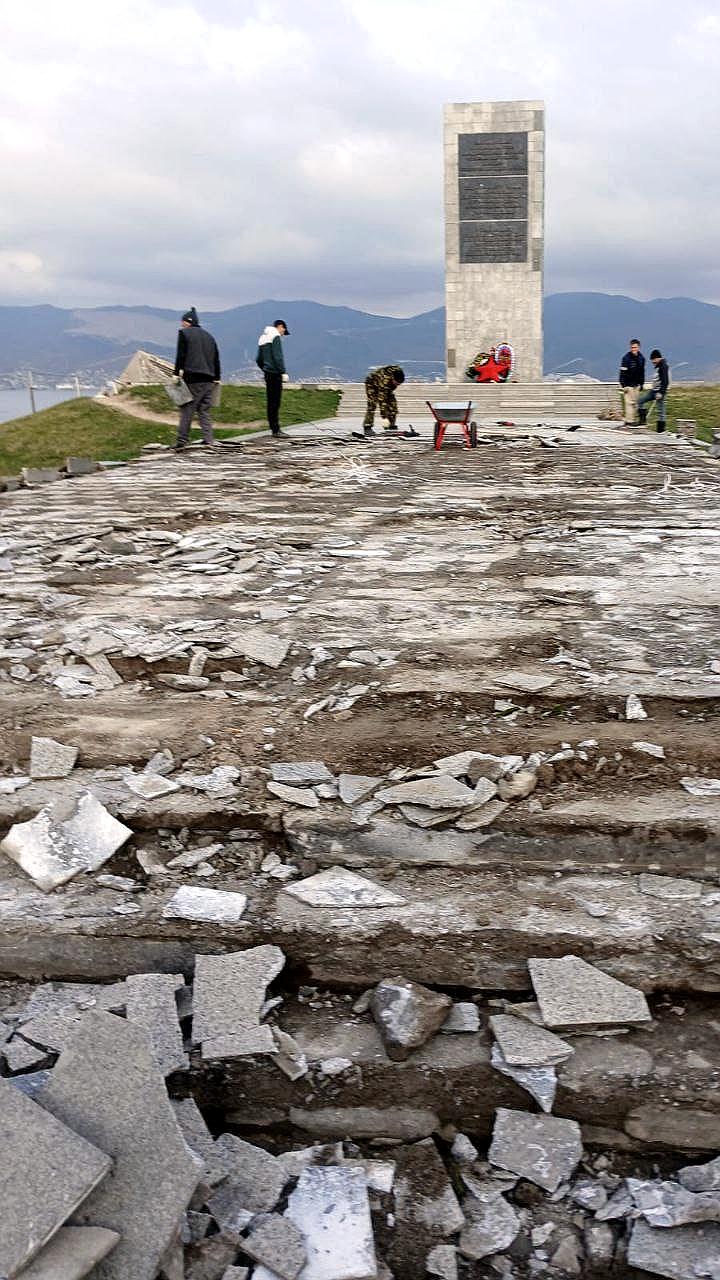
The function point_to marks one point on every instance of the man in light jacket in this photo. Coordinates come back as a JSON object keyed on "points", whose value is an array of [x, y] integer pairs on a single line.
{"points": [[271, 360], [197, 360]]}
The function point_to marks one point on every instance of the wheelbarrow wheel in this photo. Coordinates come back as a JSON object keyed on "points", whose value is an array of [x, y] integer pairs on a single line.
{"points": [[473, 435]]}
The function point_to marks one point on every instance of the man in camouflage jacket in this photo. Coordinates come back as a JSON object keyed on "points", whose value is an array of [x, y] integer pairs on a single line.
{"points": [[380, 389]]}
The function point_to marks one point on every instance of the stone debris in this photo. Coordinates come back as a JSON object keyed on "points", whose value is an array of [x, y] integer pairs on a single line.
{"points": [[493, 1226], [354, 787], [475, 818], [184, 683], [301, 773], [71, 1254], [218, 906], [229, 994], [261, 646], [331, 1210], [51, 849], [544, 1149], [671, 888], [197, 1137], [667, 1204], [338, 887], [442, 792], [47, 1171], [463, 1018], [253, 1179], [649, 749], [681, 1253], [539, 1082], [149, 786], [289, 1057], [701, 1177], [525, 681], [524, 1045], [219, 784], [634, 709], [573, 994], [701, 786], [278, 1244], [303, 796], [107, 1087], [51, 759], [407, 1015], [442, 1261], [151, 1004]]}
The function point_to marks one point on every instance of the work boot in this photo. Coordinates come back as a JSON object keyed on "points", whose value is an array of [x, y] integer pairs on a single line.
{"points": [[392, 427], [369, 431], [642, 419], [661, 426]]}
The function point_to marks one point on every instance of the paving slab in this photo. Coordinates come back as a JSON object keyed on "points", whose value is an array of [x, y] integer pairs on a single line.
{"points": [[354, 787], [679, 1253], [229, 994], [196, 1134], [544, 1149], [71, 1254], [303, 796], [443, 792], [573, 994], [300, 773], [47, 1170], [524, 1045], [52, 849], [277, 1243], [252, 1178], [331, 1210], [151, 1004], [51, 759], [338, 887], [107, 1087], [215, 906]]}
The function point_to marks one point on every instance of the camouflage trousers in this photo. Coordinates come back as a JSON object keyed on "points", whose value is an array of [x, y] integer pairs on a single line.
{"points": [[379, 397]]}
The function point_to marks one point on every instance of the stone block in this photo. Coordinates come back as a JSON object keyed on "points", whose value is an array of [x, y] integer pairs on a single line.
{"points": [[277, 1243], [331, 1210], [678, 1252], [300, 773], [71, 1254], [80, 466], [337, 887], [50, 759], [229, 995], [218, 906], [52, 849], [33, 476], [197, 1136], [407, 1015], [47, 1171], [151, 1005], [107, 1087], [544, 1149], [253, 1178], [525, 1045], [573, 994]]}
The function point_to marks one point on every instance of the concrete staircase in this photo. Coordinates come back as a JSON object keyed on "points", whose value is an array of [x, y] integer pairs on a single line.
{"points": [[530, 402]]}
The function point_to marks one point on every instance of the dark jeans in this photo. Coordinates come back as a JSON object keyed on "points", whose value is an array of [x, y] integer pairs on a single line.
{"points": [[273, 388], [200, 405]]}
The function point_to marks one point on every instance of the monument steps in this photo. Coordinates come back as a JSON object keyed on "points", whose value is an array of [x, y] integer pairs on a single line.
{"points": [[510, 400]]}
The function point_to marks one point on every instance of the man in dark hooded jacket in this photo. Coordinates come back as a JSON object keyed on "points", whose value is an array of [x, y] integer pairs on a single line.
{"points": [[197, 360], [271, 360]]}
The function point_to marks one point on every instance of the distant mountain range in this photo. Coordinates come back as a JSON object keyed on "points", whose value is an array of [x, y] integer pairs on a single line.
{"points": [[584, 333]]}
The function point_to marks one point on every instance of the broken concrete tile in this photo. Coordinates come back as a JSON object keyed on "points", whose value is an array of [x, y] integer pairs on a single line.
{"points": [[21, 1056], [303, 796], [255, 1177], [218, 906], [672, 888], [47, 1171], [228, 1208], [493, 1227], [634, 709], [51, 849], [442, 1261], [236, 1273], [197, 1136], [219, 783], [456, 766], [462, 1018], [544, 1149], [51, 759], [193, 857], [184, 683], [475, 818], [539, 1082], [442, 792], [107, 1087], [701, 1177], [105, 677], [407, 1015], [229, 994], [196, 1226], [524, 681], [149, 785], [301, 773], [667, 1204], [574, 994], [421, 816], [649, 749], [678, 1253], [57, 997], [278, 1244], [485, 790], [261, 646], [338, 887], [331, 1210], [524, 1045], [151, 1004], [354, 787], [71, 1254]]}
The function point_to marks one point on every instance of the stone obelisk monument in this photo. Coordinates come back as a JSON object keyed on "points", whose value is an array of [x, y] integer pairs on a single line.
{"points": [[494, 219]]}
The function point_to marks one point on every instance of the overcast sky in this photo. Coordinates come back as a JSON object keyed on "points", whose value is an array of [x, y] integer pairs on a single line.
{"points": [[226, 151]]}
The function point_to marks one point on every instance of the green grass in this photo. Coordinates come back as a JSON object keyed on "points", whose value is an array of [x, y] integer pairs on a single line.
{"points": [[247, 404], [701, 402], [81, 428]]}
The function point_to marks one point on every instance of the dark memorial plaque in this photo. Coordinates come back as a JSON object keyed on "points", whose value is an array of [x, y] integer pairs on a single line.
{"points": [[492, 154], [498, 241], [493, 197]]}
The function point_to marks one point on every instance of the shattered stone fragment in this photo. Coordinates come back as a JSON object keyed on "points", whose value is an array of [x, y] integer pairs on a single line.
{"points": [[424, 1195], [21, 1056], [483, 816], [151, 1004], [229, 994], [539, 1082], [524, 1045], [252, 1178], [289, 1057], [680, 1253], [442, 792], [301, 773], [8, 786], [217, 906], [278, 1244], [649, 749], [666, 1204], [106, 1085], [184, 683], [634, 709], [71, 1254], [219, 784], [51, 759], [149, 786], [303, 796], [338, 887], [573, 994], [52, 849], [544, 1149], [261, 646], [330, 1209], [46, 1172], [354, 787], [407, 1015], [197, 1137], [442, 1261], [701, 1177], [493, 1227], [524, 681], [463, 1019], [209, 1259]]}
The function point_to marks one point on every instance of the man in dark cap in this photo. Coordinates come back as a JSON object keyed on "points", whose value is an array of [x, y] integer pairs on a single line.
{"points": [[271, 360], [197, 361]]}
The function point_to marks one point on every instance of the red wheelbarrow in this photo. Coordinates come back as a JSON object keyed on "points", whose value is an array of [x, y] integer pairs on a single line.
{"points": [[456, 413]]}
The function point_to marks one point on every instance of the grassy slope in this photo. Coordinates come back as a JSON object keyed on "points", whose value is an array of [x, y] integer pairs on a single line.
{"points": [[699, 402], [82, 428], [247, 404]]}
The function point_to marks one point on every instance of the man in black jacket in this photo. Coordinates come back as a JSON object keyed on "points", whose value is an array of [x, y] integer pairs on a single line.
{"points": [[632, 381], [657, 392], [197, 360], [271, 360]]}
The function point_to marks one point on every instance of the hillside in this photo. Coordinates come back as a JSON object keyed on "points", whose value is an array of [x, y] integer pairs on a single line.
{"points": [[584, 333]]}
